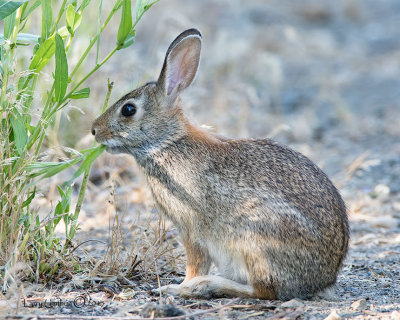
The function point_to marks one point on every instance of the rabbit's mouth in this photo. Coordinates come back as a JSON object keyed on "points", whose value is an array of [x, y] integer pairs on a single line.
{"points": [[113, 146]]}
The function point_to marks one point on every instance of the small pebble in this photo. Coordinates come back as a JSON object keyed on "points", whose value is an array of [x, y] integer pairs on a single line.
{"points": [[396, 206], [160, 311], [333, 316], [294, 303], [7, 304], [359, 305], [381, 191], [386, 282], [384, 222]]}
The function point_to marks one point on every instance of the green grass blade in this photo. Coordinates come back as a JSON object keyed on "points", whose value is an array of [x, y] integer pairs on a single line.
{"points": [[80, 94], [7, 7], [91, 155], [28, 200], [9, 24], [29, 10], [61, 72], [47, 18], [49, 169], [142, 6], [20, 135], [84, 4], [43, 55], [27, 38], [23, 39]]}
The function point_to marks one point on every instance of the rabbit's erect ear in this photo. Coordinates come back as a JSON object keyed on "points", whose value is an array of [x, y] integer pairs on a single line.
{"points": [[181, 63]]}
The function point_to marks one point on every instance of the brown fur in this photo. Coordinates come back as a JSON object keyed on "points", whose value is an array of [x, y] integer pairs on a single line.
{"points": [[268, 217], [198, 260]]}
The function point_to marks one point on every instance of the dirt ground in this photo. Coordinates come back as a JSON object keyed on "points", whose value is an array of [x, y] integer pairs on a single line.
{"points": [[320, 76]]}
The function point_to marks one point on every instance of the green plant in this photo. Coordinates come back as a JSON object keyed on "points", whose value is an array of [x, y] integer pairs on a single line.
{"points": [[22, 234]]}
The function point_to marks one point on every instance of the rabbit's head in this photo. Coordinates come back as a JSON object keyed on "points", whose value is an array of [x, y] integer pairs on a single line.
{"points": [[150, 116]]}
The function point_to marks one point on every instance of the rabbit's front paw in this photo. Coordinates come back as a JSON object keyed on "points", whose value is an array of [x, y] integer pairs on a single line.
{"points": [[171, 289]]}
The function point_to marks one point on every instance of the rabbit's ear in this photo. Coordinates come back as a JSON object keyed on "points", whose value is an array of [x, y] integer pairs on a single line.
{"points": [[181, 63]]}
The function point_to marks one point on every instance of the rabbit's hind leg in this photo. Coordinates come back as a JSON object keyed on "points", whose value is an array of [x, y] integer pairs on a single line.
{"points": [[198, 264], [208, 286], [198, 259]]}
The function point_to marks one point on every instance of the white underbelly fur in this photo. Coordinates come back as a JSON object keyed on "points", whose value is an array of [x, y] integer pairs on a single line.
{"points": [[230, 265]]}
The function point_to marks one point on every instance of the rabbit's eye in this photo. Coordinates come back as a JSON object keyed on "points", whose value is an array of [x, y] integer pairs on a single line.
{"points": [[128, 110]]}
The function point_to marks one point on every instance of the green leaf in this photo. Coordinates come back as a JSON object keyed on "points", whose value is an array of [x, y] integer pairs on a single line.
{"points": [[62, 205], [63, 32], [73, 18], [91, 155], [28, 38], [61, 72], [84, 4], [130, 39], [49, 169], [43, 55], [23, 39], [28, 11], [142, 6], [9, 24], [125, 24], [65, 200], [81, 94], [20, 135], [7, 7], [28, 201], [47, 19]]}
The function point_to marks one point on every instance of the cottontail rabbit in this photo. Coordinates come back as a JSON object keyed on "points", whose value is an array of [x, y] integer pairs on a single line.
{"points": [[265, 215]]}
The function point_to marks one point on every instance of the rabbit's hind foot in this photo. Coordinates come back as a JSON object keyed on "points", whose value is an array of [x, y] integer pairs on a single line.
{"points": [[207, 287], [169, 289]]}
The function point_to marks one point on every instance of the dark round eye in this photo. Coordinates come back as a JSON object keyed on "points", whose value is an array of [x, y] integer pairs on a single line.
{"points": [[128, 110]]}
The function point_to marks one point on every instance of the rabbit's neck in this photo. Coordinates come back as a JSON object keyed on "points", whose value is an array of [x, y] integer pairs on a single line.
{"points": [[188, 139]]}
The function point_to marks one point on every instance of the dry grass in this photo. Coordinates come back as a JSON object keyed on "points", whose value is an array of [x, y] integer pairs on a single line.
{"points": [[126, 247]]}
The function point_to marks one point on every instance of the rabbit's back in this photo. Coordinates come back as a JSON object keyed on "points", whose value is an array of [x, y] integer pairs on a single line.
{"points": [[234, 174]]}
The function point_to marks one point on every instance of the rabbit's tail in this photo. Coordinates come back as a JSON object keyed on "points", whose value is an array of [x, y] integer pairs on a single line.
{"points": [[207, 287]]}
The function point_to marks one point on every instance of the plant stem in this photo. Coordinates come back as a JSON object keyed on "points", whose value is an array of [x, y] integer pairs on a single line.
{"points": [[97, 66], [60, 13], [4, 89], [93, 41], [83, 57], [13, 44], [110, 86], [87, 172]]}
